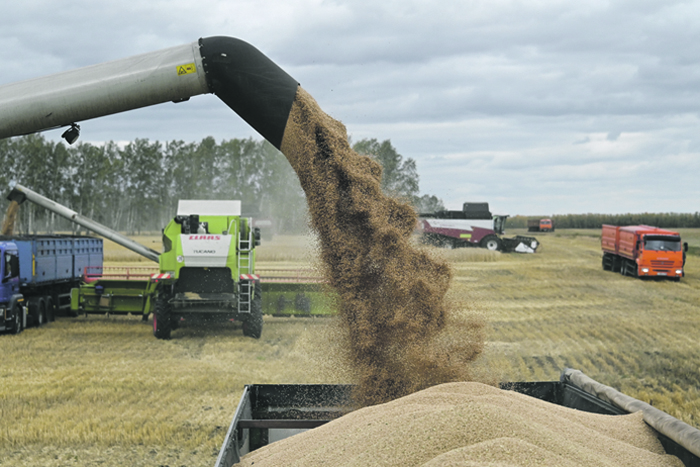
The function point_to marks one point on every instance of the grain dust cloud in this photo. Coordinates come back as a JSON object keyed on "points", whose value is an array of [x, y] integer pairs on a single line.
{"points": [[402, 334]]}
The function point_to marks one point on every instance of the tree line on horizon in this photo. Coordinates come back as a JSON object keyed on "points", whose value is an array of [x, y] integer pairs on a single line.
{"points": [[665, 220], [134, 188]]}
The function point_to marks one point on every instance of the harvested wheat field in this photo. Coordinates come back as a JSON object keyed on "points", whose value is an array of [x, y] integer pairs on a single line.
{"points": [[104, 391]]}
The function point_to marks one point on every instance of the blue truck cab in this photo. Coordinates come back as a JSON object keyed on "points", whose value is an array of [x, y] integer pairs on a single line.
{"points": [[12, 303]]}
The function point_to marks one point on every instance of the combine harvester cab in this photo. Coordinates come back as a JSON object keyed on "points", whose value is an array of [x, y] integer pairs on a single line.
{"points": [[270, 412], [475, 226], [208, 268], [643, 251]]}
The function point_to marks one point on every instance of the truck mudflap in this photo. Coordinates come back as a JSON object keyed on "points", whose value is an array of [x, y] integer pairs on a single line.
{"points": [[519, 244], [270, 412]]}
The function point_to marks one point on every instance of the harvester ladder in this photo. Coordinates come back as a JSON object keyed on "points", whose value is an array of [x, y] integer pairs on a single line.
{"points": [[245, 246]]}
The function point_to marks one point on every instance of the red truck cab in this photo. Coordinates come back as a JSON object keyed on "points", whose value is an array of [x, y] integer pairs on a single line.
{"points": [[540, 225], [643, 251]]}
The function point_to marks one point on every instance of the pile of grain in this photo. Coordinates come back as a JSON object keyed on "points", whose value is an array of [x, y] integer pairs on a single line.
{"points": [[470, 424], [401, 334]]}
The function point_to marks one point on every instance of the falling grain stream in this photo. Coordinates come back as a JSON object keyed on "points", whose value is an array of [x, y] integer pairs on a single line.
{"points": [[404, 339], [392, 293]]}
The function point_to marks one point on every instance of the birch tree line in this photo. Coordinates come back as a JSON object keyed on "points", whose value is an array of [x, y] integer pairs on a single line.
{"points": [[595, 221], [134, 188]]}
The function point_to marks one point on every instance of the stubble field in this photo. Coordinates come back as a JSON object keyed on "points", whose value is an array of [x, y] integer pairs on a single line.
{"points": [[103, 391]]}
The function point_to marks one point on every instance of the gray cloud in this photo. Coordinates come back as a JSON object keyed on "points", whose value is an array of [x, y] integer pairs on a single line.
{"points": [[536, 107]]}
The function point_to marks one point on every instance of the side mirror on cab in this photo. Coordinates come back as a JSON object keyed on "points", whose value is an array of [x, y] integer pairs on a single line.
{"points": [[685, 246], [256, 235]]}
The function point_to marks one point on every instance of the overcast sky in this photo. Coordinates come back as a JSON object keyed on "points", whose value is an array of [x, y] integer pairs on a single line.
{"points": [[536, 106]]}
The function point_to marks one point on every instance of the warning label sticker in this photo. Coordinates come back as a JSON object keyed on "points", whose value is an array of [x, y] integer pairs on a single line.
{"points": [[186, 69]]}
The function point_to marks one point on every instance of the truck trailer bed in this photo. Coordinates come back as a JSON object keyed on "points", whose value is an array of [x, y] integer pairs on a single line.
{"points": [[270, 412]]}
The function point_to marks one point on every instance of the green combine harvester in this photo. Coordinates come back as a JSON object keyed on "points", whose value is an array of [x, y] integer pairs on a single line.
{"points": [[206, 272]]}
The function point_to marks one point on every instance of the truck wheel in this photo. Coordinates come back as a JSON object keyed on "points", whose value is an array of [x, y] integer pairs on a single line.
{"points": [[161, 319], [40, 317], [17, 326], [491, 243], [626, 268], [607, 262], [50, 310], [616, 264], [252, 326]]}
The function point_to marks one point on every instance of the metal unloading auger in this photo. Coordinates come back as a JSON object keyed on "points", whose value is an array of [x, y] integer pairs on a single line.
{"points": [[240, 75]]}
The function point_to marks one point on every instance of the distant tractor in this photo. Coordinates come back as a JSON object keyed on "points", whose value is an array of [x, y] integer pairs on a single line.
{"points": [[475, 226], [540, 225]]}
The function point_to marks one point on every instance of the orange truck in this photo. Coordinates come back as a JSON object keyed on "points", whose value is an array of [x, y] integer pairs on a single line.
{"points": [[643, 251], [540, 225]]}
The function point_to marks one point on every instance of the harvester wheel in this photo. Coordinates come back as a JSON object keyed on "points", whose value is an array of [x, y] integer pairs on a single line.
{"points": [[161, 319], [491, 242], [252, 326]]}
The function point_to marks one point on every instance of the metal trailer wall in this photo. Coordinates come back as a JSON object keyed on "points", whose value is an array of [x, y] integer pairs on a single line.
{"points": [[50, 259], [268, 412]]}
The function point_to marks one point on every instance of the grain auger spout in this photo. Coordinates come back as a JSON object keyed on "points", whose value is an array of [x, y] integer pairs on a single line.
{"points": [[19, 194], [240, 75]]}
